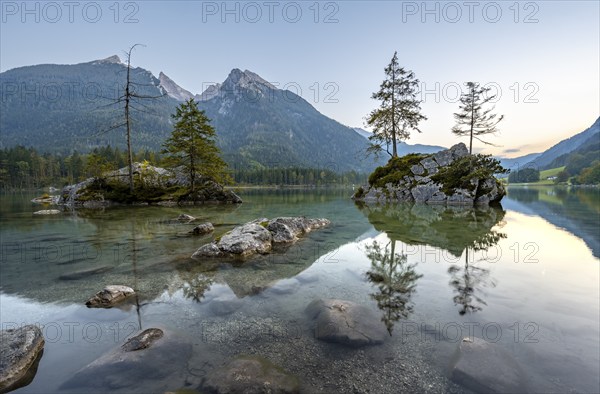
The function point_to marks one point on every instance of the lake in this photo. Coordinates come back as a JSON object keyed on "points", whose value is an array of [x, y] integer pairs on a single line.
{"points": [[524, 276]]}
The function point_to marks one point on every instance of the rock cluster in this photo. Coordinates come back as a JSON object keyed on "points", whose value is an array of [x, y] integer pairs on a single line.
{"points": [[259, 236], [418, 186]]}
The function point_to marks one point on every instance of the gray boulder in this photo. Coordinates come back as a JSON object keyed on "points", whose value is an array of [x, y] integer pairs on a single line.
{"points": [[109, 296], [184, 217], [203, 229], [250, 374], [259, 236], [287, 229], [485, 367], [20, 352], [242, 241], [346, 322]]}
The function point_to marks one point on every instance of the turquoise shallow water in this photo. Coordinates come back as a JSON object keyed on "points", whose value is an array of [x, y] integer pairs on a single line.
{"points": [[524, 276]]}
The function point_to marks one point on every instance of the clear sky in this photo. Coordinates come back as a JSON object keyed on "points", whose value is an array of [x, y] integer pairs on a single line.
{"points": [[542, 57]]}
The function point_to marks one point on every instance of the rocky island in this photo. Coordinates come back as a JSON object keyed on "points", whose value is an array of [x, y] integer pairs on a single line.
{"points": [[154, 185], [450, 176]]}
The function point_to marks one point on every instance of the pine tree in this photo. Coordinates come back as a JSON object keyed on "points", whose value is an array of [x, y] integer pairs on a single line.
{"points": [[399, 111], [473, 120], [192, 145]]}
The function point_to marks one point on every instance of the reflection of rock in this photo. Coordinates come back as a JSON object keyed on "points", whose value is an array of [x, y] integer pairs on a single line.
{"points": [[250, 374], [109, 296], [258, 237], [450, 228], [203, 229], [47, 212], [135, 368], [345, 322], [20, 351], [484, 367]]}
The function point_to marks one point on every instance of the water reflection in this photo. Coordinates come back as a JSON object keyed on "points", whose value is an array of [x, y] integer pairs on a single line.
{"points": [[577, 210], [458, 230], [395, 279]]}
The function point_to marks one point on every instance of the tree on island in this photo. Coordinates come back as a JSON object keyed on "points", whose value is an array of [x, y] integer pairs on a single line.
{"points": [[192, 146], [473, 120], [399, 111]]}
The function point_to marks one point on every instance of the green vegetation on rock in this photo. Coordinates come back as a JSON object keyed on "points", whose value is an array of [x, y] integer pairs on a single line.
{"points": [[395, 170], [465, 171]]}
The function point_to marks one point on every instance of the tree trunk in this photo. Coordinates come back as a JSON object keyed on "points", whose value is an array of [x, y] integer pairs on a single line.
{"points": [[128, 123], [472, 121]]}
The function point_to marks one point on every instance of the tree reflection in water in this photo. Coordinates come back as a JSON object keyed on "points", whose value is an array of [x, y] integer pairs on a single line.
{"points": [[457, 230], [468, 280], [395, 279]]}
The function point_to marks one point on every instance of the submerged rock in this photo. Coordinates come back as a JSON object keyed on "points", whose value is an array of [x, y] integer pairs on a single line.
{"points": [[109, 296], [346, 322], [258, 237], [184, 217], [20, 351], [485, 367], [203, 229], [441, 178], [155, 360], [143, 340], [250, 374], [85, 273]]}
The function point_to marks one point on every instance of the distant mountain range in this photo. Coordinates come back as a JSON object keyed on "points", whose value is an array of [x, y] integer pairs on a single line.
{"points": [[62, 108], [557, 155], [404, 148]]}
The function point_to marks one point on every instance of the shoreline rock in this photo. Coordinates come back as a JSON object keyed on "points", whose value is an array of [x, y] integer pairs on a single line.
{"points": [[21, 350]]}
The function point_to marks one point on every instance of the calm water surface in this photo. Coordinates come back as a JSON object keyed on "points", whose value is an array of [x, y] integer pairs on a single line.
{"points": [[525, 276]]}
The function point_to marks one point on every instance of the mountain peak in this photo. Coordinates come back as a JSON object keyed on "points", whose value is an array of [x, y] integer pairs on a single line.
{"points": [[172, 89], [245, 79], [111, 59]]}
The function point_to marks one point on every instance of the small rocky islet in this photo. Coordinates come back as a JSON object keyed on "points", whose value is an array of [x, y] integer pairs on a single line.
{"points": [[448, 177]]}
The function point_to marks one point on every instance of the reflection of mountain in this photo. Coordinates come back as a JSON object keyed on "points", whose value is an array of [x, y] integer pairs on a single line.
{"points": [[457, 230], [450, 228], [576, 210]]}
